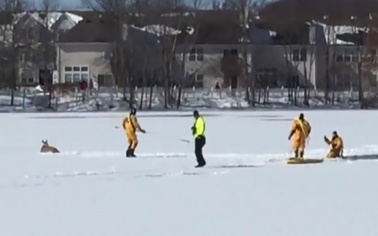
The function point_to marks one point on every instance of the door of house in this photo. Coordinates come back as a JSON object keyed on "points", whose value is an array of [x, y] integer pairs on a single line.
{"points": [[45, 75]]}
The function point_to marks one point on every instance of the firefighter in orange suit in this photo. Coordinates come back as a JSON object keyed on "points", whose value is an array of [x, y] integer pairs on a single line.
{"points": [[300, 132], [336, 145], [131, 126]]}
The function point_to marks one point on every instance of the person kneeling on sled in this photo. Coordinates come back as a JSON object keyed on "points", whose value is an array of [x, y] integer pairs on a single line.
{"points": [[131, 126], [336, 144], [198, 131]]}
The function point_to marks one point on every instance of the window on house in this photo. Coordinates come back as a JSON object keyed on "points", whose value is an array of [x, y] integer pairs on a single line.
{"points": [[27, 78], [292, 81], [295, 55], [303, 54], [192, 54], [230, 52], [234, 52], [299, 55], [68, 78], [30, 33], [199, 81], [345, 82], [268, 77], [104, 79], [196, 54], [347, 56], [199, 53], [76, 77], [74, 74], [196, 80], [84, 77]]}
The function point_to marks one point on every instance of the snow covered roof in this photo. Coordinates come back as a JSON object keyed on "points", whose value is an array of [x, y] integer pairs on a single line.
{"points": [[52, 18], [332, 31], [161, 30]]}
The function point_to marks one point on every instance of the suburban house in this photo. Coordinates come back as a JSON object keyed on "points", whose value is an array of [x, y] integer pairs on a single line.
{"points": [[217, 56], [200, 48], [88, 52], [30, 42], [84, 53], [340, 45], [37, 34]]}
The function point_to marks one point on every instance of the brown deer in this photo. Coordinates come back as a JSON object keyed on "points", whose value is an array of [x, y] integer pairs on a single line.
{"points": [[46, 148]]}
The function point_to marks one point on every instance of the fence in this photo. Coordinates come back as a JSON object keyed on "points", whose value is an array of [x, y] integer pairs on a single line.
{"points": [[27, 97]]}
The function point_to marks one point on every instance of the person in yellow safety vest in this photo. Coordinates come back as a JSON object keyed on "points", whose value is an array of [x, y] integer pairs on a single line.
{"points": [[131, 126], [336, 144], [300, 132], [198, 131]]}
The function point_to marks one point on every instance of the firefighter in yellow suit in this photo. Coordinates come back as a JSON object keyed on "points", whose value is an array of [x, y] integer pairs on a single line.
{"points": [[131, 126], [336, 145], [300, 132], [198, 131]]}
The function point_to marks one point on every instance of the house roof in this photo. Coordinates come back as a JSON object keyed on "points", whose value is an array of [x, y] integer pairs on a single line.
{"points": [[5, 17], [285, 12], [293, 15], [89, 30], [211, 27]]}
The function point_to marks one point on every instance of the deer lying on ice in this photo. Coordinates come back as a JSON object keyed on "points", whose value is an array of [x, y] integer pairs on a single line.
{"points": [[46, 148]]}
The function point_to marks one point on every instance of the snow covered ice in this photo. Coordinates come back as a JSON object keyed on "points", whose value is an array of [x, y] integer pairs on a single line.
{"points": [[91, 189]]}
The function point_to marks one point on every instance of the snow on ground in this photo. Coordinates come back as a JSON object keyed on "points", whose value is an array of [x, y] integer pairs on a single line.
{"points": [[90, 189]]}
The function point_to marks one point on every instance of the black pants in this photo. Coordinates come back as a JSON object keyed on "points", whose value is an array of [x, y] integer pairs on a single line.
{"points": [[199, 144]]}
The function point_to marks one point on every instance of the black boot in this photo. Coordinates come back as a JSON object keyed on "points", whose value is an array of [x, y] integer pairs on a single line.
{"points": [[128, 152], [132, 153], [301, 154], [200, 165]]}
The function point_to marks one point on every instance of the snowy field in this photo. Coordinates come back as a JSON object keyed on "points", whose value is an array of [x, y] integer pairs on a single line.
{"points": [[90, 189]]}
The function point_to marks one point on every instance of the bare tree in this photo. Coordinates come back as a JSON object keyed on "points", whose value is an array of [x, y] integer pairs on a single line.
{"points": [[12, 8], [189, 41], [47, 39], [118, 10], [248, 12], [169, 33], [367, 61], [142, 49], [292, 62]]}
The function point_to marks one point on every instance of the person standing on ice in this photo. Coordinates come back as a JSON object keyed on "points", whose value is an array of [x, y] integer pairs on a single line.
{"points": [[336, 144], [300, 132], [198, 131], [131, 126]]}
